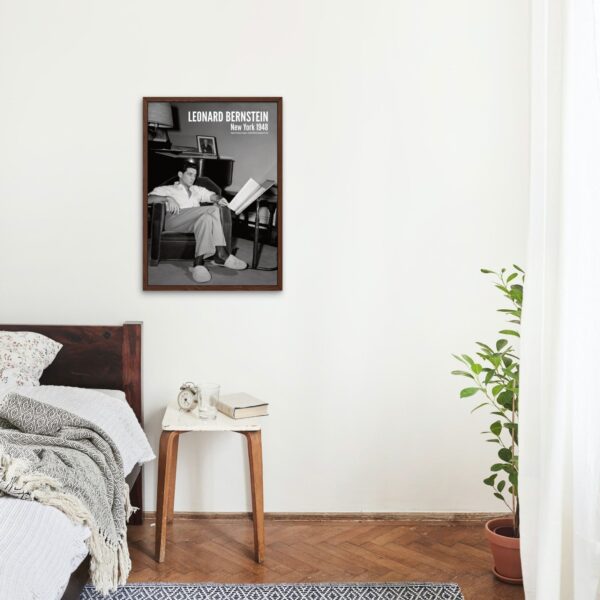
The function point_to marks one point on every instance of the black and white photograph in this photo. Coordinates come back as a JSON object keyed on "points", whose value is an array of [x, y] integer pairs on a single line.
{"points": [[212, 193], [207, 145]]}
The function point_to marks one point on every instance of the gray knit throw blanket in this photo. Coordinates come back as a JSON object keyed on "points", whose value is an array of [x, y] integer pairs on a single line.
{"points": [[54, 457]]}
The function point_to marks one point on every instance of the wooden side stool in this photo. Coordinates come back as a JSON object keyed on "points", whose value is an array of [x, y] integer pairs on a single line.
{"points": [[174, 424]]}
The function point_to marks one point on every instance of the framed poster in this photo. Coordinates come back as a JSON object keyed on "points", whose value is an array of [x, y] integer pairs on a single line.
{"points": [[212, 193]]}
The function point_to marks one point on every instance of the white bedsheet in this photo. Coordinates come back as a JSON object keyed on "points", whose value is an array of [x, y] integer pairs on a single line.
{"points": [[39, 549], [39, 546]]}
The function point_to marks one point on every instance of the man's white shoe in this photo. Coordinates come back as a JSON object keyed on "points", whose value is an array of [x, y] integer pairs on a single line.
{"points": [[233, 262], [200, 274]]}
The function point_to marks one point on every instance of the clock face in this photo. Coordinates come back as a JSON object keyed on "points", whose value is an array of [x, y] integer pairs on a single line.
{"points": [[186, 399]]}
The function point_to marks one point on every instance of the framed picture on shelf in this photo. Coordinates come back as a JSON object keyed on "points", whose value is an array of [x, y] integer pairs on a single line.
{"points": [[212, 194], [207, 145]]}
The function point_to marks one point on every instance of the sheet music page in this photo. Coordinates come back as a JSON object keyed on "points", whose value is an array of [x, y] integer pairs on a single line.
{"points": [[259, 192], [248, 190]]}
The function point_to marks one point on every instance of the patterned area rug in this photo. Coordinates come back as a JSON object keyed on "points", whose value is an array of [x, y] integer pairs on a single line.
{"points": [[300, 591]]}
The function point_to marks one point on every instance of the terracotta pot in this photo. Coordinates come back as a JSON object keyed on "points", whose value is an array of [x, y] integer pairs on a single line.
{"points": [[505, 549]]}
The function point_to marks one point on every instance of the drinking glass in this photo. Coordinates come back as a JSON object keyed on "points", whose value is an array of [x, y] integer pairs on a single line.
{"points": [[209, 396]]}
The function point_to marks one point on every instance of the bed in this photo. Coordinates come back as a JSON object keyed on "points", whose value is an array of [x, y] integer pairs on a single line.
{"points": [[106, 363]]}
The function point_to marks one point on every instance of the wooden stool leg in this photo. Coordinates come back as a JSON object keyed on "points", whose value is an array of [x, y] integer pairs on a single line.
{"points": [[173, 472], [166, 467], [254, 440]]}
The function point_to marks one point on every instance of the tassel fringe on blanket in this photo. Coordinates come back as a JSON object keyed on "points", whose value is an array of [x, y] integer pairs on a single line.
{"points": [[110, 564]]}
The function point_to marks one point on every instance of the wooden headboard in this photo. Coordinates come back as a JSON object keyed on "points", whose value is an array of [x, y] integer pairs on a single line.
{"points": [[95, 356]]}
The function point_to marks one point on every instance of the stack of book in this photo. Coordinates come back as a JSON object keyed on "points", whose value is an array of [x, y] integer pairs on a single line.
{"points": [[242, 406]]}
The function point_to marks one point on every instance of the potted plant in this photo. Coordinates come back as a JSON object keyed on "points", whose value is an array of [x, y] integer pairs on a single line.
{"points": [[494, 378]]}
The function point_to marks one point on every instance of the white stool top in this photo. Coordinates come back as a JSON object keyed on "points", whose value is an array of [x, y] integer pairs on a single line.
{"points": [[177, 420]]}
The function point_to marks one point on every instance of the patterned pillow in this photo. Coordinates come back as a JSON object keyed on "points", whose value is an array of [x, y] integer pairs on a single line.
{"points": [[24, 355]]}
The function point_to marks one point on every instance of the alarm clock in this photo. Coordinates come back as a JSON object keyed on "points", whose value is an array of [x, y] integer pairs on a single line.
{"points": [[188, 396]]}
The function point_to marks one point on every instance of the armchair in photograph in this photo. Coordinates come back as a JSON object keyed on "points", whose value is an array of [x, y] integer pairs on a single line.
{"points": [[175, 245]]}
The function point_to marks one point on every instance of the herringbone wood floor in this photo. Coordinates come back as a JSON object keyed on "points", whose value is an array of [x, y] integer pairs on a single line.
{"points": [[220, 550]]}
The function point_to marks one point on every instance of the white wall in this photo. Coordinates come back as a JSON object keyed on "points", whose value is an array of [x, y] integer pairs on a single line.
{"points": [[405, 170]]}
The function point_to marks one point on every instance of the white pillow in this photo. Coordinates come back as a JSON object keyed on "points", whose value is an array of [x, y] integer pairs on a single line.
{"points": [[24, 355]]}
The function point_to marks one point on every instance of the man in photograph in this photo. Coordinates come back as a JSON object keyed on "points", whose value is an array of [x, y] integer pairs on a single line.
{"points": [[206, 147], [194, 209]]}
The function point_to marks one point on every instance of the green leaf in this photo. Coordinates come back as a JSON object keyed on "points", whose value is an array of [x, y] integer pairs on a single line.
{"points": [[463, 373], [467, 392], [513, 477], [499, 496], [497, 467], [496, 441], [505, 454], [497, 389], [509, 332], [468, 359], [516, 293], [513, 429], [484, 346], [496, 359], [496, 427], [478, 407], [510, 311], [500, 344], [501, 485], [490, 480], [511, 277], [505, 399], [476, 368], [462, 360], [487, 271], [519, 269]]}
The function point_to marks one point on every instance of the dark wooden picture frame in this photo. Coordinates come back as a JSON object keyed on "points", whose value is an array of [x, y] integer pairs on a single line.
{"points": [[257, 232], [203, 150]]}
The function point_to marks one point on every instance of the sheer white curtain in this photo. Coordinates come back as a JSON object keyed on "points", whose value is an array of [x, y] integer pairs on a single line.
{"points": [[560, 391]]}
